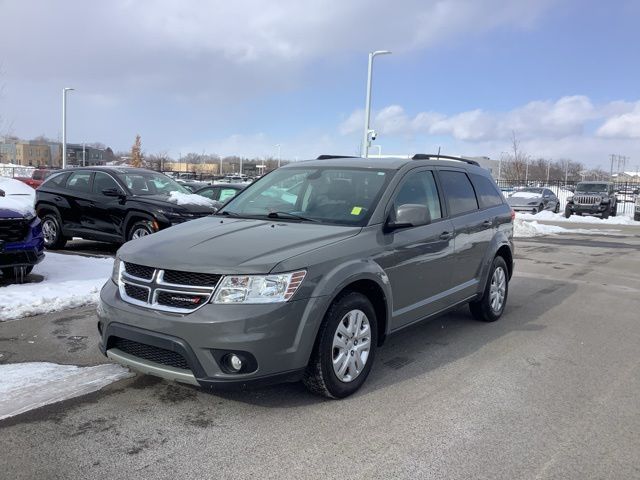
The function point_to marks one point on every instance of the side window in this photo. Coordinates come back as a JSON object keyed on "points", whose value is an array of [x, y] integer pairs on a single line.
{"points": [[79, 181], [459, 192], [227, 193], [103, 181], [57, 179], [420, 188], [208, 193], [487, 193]]}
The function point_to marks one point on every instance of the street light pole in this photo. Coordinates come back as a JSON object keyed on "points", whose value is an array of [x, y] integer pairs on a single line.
{"points": [[84, 162], [278, 145], [367, 111], [64, 125]]}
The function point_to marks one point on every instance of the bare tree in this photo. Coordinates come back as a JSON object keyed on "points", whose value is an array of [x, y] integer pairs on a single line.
{"points": [[515, 167], [136, 153]]}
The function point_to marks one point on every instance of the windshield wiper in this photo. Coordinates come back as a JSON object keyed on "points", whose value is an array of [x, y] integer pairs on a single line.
{"points": [[228, 213], [290, 215]]}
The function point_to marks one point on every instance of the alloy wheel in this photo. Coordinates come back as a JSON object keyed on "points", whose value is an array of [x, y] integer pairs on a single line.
{"points": [[139, 232], [498, 289], [351, 345], [50, 231]]}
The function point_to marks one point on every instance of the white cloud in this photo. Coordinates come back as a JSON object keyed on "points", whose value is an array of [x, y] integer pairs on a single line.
{"points": [[567, 127], [623, 125]]}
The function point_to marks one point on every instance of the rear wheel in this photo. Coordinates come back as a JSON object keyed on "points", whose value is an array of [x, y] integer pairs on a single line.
{"points": [[490, 307], [557, 209], [345, 348], [52, 232]]}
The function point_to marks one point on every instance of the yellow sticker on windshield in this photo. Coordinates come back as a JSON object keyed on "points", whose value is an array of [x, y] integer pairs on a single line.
{"points": [[356, 210]]}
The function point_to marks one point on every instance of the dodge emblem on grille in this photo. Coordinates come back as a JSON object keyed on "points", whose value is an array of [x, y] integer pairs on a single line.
{"points": [[194, 300]]}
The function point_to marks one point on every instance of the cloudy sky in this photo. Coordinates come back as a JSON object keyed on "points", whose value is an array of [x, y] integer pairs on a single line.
{"points": [[237, 77]]}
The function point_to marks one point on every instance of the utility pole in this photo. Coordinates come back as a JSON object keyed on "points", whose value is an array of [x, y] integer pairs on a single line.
{"points": [[84, 161], [64, 125], [548, 170], [611, 171]]}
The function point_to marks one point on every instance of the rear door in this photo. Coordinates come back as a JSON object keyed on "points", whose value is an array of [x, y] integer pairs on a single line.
{"points": [[417, 259], [473, 230], [77, 193]]}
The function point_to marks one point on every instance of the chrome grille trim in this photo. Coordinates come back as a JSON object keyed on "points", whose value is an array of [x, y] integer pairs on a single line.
{"points": [[586, 199], [156, 285]]}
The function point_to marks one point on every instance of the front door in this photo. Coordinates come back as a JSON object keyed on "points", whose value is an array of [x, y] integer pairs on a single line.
{"points": [[417, 259]]}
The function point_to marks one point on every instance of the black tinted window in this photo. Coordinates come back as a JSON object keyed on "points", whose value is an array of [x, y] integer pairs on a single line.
{"points": [[486, 191], [459, 192], [420, 188], [103, 181], [79, 181], [57, 179]]}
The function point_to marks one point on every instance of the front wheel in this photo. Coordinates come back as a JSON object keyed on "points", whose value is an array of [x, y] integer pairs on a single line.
{"points": [[139, 230], [345, 348], [614, 212], [557, 209], [490, 307], [567, 212]]}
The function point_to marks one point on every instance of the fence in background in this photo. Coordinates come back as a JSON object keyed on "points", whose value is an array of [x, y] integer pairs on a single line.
{"points": [[624, 191]]}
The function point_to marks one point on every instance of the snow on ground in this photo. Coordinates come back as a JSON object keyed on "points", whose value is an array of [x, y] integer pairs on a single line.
{"points": [[190, 199], [25, 386], [546, 215], [69, 281]]}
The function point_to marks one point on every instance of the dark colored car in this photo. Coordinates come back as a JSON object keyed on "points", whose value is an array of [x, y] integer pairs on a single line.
{"points": [[534, 200], [113, 204], [21, 240], [221, 192], [280, 286], [593, 198]]}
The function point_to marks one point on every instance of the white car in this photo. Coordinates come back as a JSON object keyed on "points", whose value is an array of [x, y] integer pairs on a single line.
{"points": [[15, 192]]}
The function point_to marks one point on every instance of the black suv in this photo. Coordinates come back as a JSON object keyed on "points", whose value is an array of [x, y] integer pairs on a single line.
{"points": [[306, 271], [113, 204], [593, 198]]}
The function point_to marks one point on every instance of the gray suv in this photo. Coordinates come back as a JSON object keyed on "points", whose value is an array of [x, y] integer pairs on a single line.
{"points": [[304, 273]]}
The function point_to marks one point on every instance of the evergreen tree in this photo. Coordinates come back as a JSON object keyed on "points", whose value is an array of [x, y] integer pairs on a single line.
{"points": [[136, 153]]}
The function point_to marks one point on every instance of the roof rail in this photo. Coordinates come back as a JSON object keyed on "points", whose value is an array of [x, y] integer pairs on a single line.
{"points": [[329, 157], [436, 156]]}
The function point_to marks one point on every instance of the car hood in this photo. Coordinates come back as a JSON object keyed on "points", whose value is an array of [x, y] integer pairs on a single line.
{"points": [[225, 246], [523, 201], [163, 201]]}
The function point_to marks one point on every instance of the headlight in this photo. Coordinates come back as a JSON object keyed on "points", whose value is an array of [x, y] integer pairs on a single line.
{"points": [[570, 199], [115, 273], [259, 288]]}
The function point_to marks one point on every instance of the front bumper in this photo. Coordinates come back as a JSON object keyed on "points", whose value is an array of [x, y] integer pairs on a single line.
{"points": [[589, 209], [525, 208], [279, 337]]}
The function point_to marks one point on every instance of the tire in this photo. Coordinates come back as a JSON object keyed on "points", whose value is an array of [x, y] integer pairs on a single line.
{"points": [[614, 212], [534, 211], [139, 229], [52, 232], [491, 306], [557, 209], [567, 212], [10, 272], [320, 376], [636, 217], [606, 213]]}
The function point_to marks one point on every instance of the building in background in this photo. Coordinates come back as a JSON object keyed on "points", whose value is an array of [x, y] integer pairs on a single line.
{"points": [[79, 156], [27, 154]]}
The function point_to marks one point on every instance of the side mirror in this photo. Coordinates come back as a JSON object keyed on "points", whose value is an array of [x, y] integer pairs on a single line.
{"points": [[409, 215], [112, 192]]}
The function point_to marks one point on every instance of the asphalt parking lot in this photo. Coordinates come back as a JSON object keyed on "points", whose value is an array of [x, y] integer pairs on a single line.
{"points": [[549, 391]]}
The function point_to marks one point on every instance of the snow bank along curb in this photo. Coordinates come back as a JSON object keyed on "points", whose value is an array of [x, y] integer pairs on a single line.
{"points": [[69, 281], [546, 215], [25, 386]]}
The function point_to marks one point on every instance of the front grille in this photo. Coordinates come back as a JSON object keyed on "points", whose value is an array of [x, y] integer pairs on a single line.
{"points": [[137, 293], [191, 278], [139, 271], [151, 353], [13, 230], [180, 300], [586, 199]]}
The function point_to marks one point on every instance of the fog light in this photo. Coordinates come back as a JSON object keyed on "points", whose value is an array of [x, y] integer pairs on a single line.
{"points": [[234, 362]]}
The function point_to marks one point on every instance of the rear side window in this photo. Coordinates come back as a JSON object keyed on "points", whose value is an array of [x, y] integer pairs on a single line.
{"points": [[227, 193], [57, 179], [79, 181], [459, 192], [486, 191]]}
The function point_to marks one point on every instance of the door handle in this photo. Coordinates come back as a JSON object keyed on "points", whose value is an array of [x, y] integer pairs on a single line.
{"points": [[487, 223], [446, 235]]}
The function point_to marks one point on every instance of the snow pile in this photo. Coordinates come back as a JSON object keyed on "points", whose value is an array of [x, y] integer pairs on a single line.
{"points": [[25, 386], [558, 217], [524, 229], [180, 198], [69, 281]]}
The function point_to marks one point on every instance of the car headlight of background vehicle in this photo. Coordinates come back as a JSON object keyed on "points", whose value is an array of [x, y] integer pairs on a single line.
{"points": [[115, 273], [274, 288]]}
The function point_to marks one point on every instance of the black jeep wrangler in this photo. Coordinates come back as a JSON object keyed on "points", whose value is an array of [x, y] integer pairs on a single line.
{"points": [[594, 198]]}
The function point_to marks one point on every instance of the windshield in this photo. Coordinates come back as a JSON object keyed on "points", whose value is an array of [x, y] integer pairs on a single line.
{"points": [[150, 183], [591, 187], [343, 196]]}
